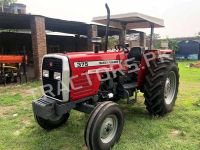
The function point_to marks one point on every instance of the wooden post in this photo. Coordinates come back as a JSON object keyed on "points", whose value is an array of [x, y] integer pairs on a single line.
{"points": [[24, 64]]}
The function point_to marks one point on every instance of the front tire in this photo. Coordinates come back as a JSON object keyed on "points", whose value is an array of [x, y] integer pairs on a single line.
{"points": [[104, 126], [53, 123], [161, 86]]}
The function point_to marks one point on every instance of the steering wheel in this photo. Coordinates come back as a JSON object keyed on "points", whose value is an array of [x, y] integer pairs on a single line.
{"points": [[124, 48]]}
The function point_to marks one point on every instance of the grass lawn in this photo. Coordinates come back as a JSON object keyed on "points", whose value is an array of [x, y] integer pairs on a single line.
{"points": [[178, 130]]}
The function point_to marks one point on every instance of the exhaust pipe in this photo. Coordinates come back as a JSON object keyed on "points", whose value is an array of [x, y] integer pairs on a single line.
{"points": [[107, 26]]}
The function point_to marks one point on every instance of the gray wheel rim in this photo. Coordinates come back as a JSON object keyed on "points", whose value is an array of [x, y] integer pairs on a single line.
{"points": [[108, 128], [170, 88], [55, 118]]}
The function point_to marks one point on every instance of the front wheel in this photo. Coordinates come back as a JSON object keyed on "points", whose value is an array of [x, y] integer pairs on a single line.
{"points": [[161, 86], [52, 123], [104, 126]]}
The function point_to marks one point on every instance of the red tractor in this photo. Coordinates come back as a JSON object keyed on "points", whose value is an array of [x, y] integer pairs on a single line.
{"points": [[92, 82]]}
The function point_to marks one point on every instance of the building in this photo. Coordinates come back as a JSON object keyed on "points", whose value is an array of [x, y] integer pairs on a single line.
{"points": [[189, 49], [17, 8], [36, 34], [14, 8]]}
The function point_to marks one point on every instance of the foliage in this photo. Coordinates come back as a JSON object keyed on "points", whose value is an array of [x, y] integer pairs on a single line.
{"points": [[156, 36], [157, 44], [156, 41], [198, 34], [173, 44], [112, 41], [7, 2]]}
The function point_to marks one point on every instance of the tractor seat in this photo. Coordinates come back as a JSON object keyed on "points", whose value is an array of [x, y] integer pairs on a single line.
{"points": [[134, 57], [135, 53]]}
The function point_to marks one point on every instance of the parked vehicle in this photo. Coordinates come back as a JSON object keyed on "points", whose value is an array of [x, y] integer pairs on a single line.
{"points": [[93, 82], [9, 73]]}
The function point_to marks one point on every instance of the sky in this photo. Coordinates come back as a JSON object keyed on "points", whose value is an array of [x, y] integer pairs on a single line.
{"points": [[182, 17]]}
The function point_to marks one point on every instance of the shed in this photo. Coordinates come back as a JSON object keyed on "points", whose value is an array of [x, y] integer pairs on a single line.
{"points": [[189, 49], [38, 43]]}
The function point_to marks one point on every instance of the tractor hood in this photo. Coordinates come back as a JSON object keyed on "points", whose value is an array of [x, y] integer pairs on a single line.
{"points": [[80, 65], [82, 56], [91, 60]]}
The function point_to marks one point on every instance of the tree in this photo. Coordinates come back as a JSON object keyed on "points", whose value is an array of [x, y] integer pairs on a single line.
{"points": [[157, 44], [4, 3], [173, 44], [198, 34], [155, 36], [112, 41], [7, 2], [155, 40]]}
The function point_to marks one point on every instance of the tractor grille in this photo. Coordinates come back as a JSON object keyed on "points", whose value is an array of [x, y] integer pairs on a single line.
{"points": [[52, 87]]}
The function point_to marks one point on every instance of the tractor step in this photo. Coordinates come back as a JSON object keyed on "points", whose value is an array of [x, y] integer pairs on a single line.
{"points": [[129, 86]]}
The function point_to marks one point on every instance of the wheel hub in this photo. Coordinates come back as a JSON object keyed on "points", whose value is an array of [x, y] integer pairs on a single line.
{"points": [[108, 129], [167, 87], [170, 88]]}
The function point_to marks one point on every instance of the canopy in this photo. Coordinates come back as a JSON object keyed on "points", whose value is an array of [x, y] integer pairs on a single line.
{"points": [[131, 20]]}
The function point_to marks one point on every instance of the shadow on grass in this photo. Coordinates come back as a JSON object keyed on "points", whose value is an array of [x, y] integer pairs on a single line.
{"points": [[68, 136], [71, 134]]}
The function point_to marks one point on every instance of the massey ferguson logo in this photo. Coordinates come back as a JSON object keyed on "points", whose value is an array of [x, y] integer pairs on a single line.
{"points": [[51, 64]]}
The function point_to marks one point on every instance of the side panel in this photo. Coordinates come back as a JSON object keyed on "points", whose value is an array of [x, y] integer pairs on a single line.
{"points": [[86, 72]]}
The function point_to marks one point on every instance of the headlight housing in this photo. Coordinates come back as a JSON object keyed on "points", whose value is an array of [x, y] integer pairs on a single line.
{"points": [[57, 75], [45, 73]]}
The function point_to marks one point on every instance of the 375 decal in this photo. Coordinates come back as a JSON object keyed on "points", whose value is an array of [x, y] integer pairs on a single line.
{"points": [[81, 64], [95, 63]]}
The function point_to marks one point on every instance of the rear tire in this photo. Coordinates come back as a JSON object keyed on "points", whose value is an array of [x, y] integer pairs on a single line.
{"points": [[53, 123], [104, 126], [161, 86]]}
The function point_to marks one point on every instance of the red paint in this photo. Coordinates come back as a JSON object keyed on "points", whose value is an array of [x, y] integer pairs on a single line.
{"points": [[11, 59], [142, 73], [143, 66], [83, 88], [80, 82]]}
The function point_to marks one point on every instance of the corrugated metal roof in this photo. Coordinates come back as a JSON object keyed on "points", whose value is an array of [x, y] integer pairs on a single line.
{"points": [[22, 21], [197, 41]]}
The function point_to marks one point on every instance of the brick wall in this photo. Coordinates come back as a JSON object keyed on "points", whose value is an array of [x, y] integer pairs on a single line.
{"points": [[38, 43]]}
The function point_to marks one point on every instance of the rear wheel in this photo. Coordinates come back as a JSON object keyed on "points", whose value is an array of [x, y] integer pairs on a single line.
{"points": [[104, 126], [52, 123], [161, 87]]}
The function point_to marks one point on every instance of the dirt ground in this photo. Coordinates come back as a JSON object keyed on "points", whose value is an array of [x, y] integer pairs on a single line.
{"points": [[195, 65]]}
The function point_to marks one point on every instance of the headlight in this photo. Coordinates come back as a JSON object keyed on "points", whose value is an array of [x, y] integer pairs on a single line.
{"points": [[45, 73], [57, 75]]}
